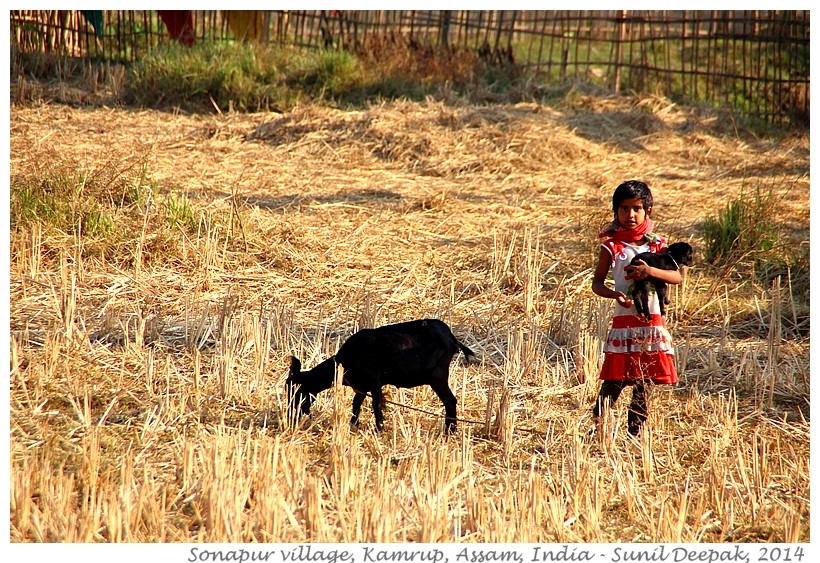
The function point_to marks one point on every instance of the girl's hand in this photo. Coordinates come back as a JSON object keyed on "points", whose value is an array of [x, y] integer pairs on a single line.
{"points": [[637, 272], [622, 299]]}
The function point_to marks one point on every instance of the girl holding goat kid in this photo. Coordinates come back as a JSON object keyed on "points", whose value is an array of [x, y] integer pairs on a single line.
{"points": [[638, 352]]}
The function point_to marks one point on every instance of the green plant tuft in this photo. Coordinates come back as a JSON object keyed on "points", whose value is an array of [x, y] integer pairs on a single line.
{"points": [[180, 213], [748, 240], [745, 228]]}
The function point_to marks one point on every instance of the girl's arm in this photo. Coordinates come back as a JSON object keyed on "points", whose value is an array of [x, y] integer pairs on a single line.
{"points": [[599, 277], [642, 271]]}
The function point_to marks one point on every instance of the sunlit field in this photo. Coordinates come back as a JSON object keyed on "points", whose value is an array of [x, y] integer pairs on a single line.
{"points": [[164, 267]]}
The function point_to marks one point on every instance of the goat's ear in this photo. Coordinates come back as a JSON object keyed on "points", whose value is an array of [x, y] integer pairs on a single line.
{"points": [[295, 365]]}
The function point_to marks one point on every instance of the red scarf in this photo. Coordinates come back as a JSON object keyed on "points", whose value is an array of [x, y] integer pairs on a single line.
{"points": [[615, 231]]}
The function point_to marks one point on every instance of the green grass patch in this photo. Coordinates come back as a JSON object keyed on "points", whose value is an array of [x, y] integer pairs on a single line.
{"points": [[743, 230], [747, 240], [180, 213], [64, 201], [209, 76], [108, 208], [117, 214], [243, 77], [246, 77]]}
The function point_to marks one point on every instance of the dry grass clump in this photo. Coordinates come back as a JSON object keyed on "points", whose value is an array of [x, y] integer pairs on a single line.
{"points": [[148, 361]]}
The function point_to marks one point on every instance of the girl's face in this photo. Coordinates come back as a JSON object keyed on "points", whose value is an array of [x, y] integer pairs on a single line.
{"points": [[631, 213]]}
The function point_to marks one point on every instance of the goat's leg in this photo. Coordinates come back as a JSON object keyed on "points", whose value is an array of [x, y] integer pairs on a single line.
{"points": [[663, 297], [376, 391], [640, 298], [358, 399], [442, 389], [645, 300], [642, 304], [636, 295]]}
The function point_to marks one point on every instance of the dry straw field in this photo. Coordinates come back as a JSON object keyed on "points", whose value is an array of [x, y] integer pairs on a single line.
{"points": [[149, 349]]}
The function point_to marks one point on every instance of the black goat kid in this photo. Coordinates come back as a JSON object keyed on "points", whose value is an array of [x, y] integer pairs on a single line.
{"points": [[403, 355], [675, 255]]}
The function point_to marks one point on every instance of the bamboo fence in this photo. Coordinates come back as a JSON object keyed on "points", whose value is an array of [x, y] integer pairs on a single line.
{"points": [[756, 61]]}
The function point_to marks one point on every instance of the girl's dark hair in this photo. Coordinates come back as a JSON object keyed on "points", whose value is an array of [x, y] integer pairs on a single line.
{"points": [[632, 189]]}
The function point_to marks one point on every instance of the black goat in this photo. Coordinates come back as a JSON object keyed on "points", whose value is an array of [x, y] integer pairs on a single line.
{"points": [[674, 256], [403, 355]]}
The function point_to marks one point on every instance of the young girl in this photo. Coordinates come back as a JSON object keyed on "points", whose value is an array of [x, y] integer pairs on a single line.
{"points": [[637, 352]]}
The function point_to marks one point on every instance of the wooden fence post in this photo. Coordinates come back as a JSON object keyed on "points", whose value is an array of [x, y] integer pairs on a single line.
{"points": [[444, 29], [621, 35]]}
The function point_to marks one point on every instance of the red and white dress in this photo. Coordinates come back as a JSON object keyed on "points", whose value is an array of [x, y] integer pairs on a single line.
{"points": [[636, 348]]}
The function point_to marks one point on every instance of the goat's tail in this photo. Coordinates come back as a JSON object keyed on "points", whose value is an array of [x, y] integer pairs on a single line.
{"points": [[467, 352]]}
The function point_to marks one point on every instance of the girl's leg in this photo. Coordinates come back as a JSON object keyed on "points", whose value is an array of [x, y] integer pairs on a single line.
{"points": [[638, 407], [608, 394]]}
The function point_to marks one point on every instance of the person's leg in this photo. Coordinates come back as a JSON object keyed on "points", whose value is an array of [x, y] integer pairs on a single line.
{"points": [[607, 395], [638, 407]]}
